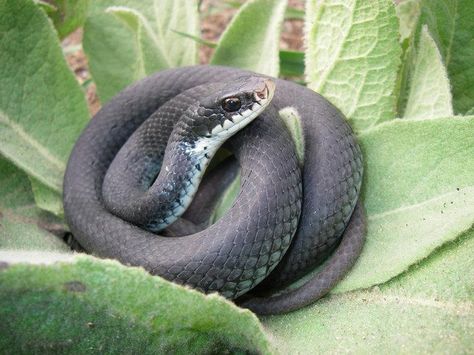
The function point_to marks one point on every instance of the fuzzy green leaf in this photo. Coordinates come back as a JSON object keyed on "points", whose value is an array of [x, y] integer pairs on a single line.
{"points": [[69, 15], [87, 305], [151, 57], [430, 92], [45, 6], [429, 309], [46, 198], [22, 225], [42, 107], [451, 26], [112, 53], [252, 39], [177, 15], [353, 56], [126, 40], [408, 12], [418, 192]]}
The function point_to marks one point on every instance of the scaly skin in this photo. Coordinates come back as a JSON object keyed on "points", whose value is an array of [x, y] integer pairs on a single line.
{"points": [[253, 238]]}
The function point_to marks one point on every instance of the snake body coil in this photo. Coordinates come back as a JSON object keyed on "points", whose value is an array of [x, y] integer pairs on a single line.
{"points": [[136, 168]]}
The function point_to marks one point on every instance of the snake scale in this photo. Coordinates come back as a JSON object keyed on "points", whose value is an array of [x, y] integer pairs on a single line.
{"points": [[136, 168]]}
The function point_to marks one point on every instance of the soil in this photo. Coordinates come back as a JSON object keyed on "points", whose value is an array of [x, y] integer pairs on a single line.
{"points": [[215, 15]]}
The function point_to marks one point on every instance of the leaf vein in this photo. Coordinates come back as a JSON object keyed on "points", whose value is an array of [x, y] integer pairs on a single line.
{"points": [[29, 140]]}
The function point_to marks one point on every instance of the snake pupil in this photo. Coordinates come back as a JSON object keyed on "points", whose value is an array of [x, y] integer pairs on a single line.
{"points": [[231, 104]]}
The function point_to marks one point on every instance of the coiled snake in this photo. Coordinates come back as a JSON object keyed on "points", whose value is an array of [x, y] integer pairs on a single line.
{"points": [[137, 166]]}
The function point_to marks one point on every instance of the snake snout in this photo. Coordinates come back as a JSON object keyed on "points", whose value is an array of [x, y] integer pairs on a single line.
{"points": [[265, 91], [240, 102]]}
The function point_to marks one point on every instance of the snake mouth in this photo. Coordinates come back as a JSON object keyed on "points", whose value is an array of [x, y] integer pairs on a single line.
{"points": [[262, 96]]}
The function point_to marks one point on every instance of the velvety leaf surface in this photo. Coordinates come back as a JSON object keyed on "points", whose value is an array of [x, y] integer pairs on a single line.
{"points": [[42, 108], [429, 309], [418, 192], [90, 305], [408, 12], [112, 45], [177, 15], [45, 6], [251, 41], [430, 91], [352, 57], [22, 224], [451, 25], [150, 58], [69, 15], [47, 198]]}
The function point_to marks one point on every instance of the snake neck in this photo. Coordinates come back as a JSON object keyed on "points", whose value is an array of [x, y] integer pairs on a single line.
{"points": [[201, 119], [183, 167]]}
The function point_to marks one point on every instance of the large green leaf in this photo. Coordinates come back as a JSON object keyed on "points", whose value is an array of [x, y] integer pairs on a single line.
{"points": [[451, 25], [23, 226], [42, 108], [87, 305], [430, 92], [151, 57], [126, 40], [429, 309], [352, 57], [68, 15], [114, 60], [177, 15], [252, 39], [418, 191]]}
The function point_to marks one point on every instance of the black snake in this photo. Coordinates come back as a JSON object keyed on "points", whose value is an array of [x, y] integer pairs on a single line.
{"points": [[137, 166]]}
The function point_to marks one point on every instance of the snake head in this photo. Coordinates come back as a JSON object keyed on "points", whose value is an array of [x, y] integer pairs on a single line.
{"points": [[231, 106]]}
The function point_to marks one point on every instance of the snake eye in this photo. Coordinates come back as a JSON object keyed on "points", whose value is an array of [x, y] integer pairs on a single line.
{"points": [[231, 104]]}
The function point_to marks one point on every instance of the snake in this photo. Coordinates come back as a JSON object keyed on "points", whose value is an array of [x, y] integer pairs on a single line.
{"points": [[143, 179]]}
